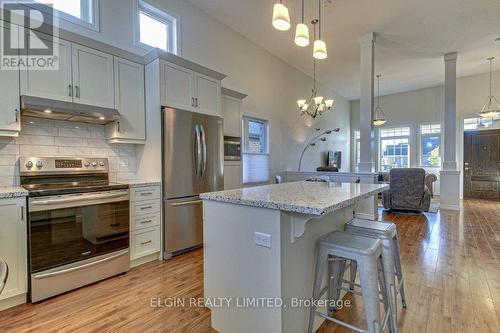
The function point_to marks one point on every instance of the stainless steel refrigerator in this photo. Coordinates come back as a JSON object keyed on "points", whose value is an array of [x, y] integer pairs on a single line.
{"points": [[193, 159]]}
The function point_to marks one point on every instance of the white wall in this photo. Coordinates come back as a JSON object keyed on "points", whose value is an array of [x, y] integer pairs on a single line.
{"points": [[427, 106], [272, 85]]}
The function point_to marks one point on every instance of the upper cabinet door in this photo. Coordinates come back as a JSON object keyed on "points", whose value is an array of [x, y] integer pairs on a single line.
{"points": [[93, 77], [177, 87], [130, 102], [231, 112], [9, 103], [54, 84], [208, 95]]}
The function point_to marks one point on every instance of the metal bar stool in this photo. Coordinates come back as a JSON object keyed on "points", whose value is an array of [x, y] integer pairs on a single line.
{"points": [[335, 249], [4, 273], [387, 233]]}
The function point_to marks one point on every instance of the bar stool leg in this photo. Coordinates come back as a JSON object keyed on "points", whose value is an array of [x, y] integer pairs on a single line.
{"points": [[339, 276], [367, 271], [386, 295], [354, 268], [390, 281], [321, 262], [399, 270], [331, 283]]}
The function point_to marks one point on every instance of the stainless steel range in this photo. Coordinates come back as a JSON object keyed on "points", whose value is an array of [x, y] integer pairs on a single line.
{"points": [[78, 223]]}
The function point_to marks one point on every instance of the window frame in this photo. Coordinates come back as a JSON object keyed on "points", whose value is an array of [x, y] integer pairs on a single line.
{"points": [[168, 18], [95, 12], [246, 137], [380, 139], [421, 137]]}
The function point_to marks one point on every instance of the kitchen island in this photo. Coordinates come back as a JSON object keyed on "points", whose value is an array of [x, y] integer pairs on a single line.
{"points": [[259, 248]]}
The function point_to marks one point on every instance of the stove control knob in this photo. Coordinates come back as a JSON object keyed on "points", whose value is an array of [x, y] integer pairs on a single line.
{"points": [[94, 164], [39, 164], [101, 163], [29, 164], [87, 164]]}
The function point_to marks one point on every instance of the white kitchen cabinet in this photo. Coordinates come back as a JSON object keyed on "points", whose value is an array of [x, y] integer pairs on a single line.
{"points": [[93, 77], [189, 90], [10, 122], [53, 84], [207, 98], [233, 175], [231, 112], [130, 102], [177, 87], [13, 249], [145, 224]]}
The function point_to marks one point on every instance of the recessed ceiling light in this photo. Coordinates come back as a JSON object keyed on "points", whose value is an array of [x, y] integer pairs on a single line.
{"points": [[47, 111], [102, 118], [497, 40], [31, 122]]}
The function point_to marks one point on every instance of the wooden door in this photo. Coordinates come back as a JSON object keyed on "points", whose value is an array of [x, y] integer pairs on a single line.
{"points": [[482, 164]]}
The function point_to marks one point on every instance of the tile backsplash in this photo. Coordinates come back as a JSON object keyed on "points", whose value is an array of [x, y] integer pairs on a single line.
{"points": [[45, 137]]}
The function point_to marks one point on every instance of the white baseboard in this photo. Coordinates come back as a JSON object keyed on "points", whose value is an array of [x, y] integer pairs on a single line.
{"points": [[144, 260], [12, 301]]}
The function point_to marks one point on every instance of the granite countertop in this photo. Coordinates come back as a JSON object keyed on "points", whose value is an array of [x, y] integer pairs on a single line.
{"points": [[140, 183], [12, 192], [300, 197]]}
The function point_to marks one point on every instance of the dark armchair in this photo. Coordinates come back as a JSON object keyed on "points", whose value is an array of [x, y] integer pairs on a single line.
{"points": [[408, 190]]}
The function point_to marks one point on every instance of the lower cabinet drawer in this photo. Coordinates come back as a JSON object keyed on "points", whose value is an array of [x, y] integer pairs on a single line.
{"points": [[142, 208], [145, 242], [148, 221], [145, 193]]}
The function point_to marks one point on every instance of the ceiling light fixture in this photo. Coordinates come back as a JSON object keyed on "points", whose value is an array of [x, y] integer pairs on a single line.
{"points": [[302, 32], [319, 50], [378, 114], [316, 105], [47, 111], [281, 18], [491, 108]]}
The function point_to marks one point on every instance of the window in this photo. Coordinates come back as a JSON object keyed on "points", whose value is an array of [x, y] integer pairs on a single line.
{"points": [[156, 28], [255, 150], [394, 148], [357, 149], [471, 124], [430, 143], [83, 12]]}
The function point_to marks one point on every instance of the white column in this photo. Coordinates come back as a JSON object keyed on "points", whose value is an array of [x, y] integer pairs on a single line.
{"points": [[367, 45], [366, 209], [450, 175]]}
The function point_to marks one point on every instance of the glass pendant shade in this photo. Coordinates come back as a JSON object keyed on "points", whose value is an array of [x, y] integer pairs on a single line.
{"points": [[319, 51], [379, 117], [491, 109], [318, 100], [329, 103], [302, 35], [305, 107], [301, 103], [281, 18]]}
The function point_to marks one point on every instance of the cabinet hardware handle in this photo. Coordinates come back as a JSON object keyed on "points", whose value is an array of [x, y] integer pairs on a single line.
{"points": [[146, 193], [70, 90], [22, 214], [147, 207], [118, 127], [149, 241], [16, 114], [194, 202], [114, 224], [192, 102], [146, 221], [77, 92]]}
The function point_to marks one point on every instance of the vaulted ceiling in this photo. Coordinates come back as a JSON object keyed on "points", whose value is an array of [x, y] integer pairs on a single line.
{"points": [[412, 37]]}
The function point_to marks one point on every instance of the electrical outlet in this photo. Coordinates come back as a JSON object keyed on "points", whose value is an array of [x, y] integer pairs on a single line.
{"points": [[263, 239]]}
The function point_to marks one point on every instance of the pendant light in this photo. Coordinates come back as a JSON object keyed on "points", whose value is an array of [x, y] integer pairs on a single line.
{"points": [[319, 50], [379, 116], [281, 18], [302, 32], [492, 108]]}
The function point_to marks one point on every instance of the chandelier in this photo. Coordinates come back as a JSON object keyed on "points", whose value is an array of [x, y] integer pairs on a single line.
{"points": [[281, 21], [491, 109], [379, 116], [316, 105]]}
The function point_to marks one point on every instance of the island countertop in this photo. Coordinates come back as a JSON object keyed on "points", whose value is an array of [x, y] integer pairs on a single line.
{"points": [[315, 198]]}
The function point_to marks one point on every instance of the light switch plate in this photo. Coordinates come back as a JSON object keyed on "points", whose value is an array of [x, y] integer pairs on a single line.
{"points": [[262, 239]]}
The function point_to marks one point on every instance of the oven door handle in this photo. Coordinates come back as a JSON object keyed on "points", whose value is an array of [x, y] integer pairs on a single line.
{"points": [[72, 269], [78, 198]]}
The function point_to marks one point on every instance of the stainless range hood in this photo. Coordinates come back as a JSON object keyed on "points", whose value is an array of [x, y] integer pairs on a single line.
{"points": [[59, 110]]}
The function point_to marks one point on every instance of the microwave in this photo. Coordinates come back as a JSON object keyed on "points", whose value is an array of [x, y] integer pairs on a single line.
{"points": [[232, 148]]}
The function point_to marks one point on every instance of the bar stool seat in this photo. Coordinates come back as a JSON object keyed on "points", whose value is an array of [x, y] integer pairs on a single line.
{"points": [[334, 250]]}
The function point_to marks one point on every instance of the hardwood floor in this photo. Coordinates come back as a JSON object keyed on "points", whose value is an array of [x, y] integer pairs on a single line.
{"points": [[450, 262]]}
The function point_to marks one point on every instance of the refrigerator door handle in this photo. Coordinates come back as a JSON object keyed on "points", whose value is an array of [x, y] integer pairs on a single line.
{"points": [[197, 151], [204, 151]]}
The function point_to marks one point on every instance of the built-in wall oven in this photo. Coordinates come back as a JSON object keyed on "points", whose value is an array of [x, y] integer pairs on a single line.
{"points": [[232, 148], [78, 224]]}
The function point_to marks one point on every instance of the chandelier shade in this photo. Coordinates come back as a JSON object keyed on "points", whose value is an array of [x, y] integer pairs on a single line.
{"points": [[491, 109], [281, 17], [378, 115], [302, 35]]}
